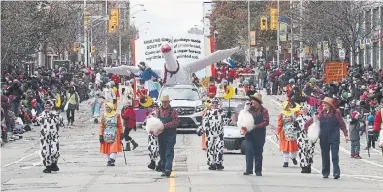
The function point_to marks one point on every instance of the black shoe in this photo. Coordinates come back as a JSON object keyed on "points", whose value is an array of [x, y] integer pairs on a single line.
{"points": [[55, 167], [325, 176], [295, 162], [305, 170], [109, 163], [95, 120], [220, 167], [71, 123], [247, 173], [285, 164], [167, 173], [112, 161], [127, 146], [152, 165], [258, 174], [135, 145], [212, 167], [336, 176], [309, 168], [158, 168], [48, 169]]}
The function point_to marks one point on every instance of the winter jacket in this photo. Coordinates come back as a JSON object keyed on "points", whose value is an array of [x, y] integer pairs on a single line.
{"points": [[16, 91], [129, 117], [354, 130], [5, 105], [378, 121]]}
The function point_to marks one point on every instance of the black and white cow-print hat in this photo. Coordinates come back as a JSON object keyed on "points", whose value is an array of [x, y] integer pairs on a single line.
{"points": [[48, 103], [216, 100]]}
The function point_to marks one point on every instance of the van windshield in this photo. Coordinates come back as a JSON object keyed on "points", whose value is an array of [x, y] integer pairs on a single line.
{"points": [[181, 94]]}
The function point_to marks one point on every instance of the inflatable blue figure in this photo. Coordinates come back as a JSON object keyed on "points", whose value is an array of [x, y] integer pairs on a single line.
{"points": [[147, 72], [146, 75]]}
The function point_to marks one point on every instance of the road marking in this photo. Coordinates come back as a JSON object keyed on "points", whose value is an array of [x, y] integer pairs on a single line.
{"points": [[364, 160], [172, 181], [7, 165], [33, 165], [276, 144]]}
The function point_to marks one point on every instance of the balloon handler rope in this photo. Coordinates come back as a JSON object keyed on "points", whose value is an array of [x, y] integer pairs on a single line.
{"points": [[171, 72]]}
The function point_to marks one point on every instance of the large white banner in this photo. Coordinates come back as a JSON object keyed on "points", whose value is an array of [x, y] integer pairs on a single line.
{"points": [[186, 48]]}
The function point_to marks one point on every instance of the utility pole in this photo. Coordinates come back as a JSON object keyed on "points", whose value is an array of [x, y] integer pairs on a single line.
{"points": [[248, 27], [292, 34], [85, 37], [106, 34], [130, 44], [278, 34], [300, 35], [119, 34]]}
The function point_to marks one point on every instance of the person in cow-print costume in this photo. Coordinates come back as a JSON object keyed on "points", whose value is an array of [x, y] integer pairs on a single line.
{"points": [[153, 146], [212, 125], [49, 137], [305, 147]]}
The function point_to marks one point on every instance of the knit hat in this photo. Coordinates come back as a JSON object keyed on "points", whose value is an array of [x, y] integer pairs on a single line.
{"points": [[370, 118], [355, 115], [142, 64]]}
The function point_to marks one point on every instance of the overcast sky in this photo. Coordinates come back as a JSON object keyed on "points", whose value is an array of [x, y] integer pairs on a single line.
{"points": [[167, 16]]}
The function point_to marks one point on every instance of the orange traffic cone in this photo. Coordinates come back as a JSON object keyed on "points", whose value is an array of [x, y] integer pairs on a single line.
{"points": [[203, 141]]}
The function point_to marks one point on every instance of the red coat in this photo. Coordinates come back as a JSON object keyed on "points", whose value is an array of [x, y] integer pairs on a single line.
{"points": [[378, 121], [116, 79], [212, 91], [129, 117], [232, 73]]}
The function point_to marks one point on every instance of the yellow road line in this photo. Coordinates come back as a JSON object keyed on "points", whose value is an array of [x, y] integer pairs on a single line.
{"points": [[172, 181]]}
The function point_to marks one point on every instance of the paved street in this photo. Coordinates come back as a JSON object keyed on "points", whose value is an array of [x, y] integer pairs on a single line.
{"points": [[83, 168]]}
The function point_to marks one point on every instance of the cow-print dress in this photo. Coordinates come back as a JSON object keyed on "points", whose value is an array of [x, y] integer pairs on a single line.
{"points": [[49, 137], [153, 147], [305, 147], [212, 124]]}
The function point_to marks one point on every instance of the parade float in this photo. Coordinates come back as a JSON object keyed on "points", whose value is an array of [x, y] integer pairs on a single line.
{"points": [[168, 62]]}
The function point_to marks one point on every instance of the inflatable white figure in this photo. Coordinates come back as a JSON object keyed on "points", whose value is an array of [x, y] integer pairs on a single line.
{"points": [[313, 130], [174, 72], [245, 118], [154, 126]]}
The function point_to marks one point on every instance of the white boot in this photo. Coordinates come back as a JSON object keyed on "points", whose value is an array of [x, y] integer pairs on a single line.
{"points": [[9, 136]]}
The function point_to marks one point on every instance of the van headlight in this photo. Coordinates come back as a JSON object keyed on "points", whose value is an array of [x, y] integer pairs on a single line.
{"points": [[199, 109]]}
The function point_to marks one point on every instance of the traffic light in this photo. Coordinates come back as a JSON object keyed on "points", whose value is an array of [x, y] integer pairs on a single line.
{"points": [[76, 47], [114, 16], [86, 19], [93, 49], [264, 23], [274, 19], [112, 28]]}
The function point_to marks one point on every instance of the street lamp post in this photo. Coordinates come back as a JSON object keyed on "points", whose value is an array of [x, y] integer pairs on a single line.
{"points": [[248, 30], [278, 35]]}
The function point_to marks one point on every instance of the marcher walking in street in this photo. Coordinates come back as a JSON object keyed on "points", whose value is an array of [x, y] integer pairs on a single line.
{"points": [[73, 104], [111, 133], [288, 133], [167, 139], [49, 137], [255, 139], [212, 125], [153, 148], [129, 117], [331, 122]]}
